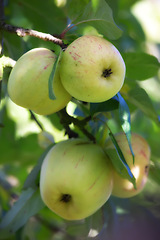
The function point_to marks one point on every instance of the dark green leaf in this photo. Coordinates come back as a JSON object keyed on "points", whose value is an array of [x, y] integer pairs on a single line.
{"points": [[119, 162], [140, 99], [106, 106], [125, 120], [140, 65], [28, 204], [99, 15], [42, 17], [51, 78]]}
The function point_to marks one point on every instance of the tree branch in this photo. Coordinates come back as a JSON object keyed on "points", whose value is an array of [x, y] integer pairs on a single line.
{"points": [[66, 120], [35, 119], [22, 32]]}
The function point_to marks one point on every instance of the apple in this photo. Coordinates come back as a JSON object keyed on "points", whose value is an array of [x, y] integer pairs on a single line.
{"points": [[75, 179], [123, 188], [92, 69], [28, 83]]}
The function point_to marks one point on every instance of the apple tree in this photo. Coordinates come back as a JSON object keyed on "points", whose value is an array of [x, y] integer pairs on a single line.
{"points": [[29, 131]]}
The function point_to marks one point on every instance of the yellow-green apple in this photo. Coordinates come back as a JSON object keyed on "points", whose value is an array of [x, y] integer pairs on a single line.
{"points": [[75, 179], [28, 83], [123, 188], [92, 69]]}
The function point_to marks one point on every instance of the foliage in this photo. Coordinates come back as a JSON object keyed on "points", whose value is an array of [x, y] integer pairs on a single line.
{"points": [[26, 137]]}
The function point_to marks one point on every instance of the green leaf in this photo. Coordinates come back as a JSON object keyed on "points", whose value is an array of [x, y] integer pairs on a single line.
{"points": [[28, 204], [41, 16], [124, 114], [99, 15], [119, 162], [139, 97], [74, 10], [140, 65], [51, 77], [106, 106], [33, 177]]}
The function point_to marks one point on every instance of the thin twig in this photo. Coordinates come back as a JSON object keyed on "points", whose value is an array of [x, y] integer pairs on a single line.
{"points": [[35, 119], [22, 32], [66, 120]]}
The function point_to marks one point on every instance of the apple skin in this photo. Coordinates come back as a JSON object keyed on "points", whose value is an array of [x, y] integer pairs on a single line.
{"points": [[123, 188], [92, 69], [75, 179], [28, 83]]}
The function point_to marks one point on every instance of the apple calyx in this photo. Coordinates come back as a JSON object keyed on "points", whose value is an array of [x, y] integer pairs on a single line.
{"points": [[65, 198], [107, 72]]}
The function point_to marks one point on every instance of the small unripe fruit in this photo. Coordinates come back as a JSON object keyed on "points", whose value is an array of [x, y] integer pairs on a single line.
{"points": [[28, 83]]}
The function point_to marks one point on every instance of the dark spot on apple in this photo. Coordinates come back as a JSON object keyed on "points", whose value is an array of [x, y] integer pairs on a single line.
{"points": [[65, 198], [146, 169], [107, 72]]}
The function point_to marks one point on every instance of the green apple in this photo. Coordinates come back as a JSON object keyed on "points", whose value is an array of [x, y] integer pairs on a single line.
{"points": [[28, 83], [75, 179], [123, 188], [92, 69]]}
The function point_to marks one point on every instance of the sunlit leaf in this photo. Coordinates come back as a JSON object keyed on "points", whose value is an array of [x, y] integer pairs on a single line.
{"points": [[139, 97], [140, 65], [125, 119], [99, 15]]}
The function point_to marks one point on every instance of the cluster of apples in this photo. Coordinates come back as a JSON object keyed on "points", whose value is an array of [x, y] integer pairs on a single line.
{"points": [[91, 69], [77, 176]]}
